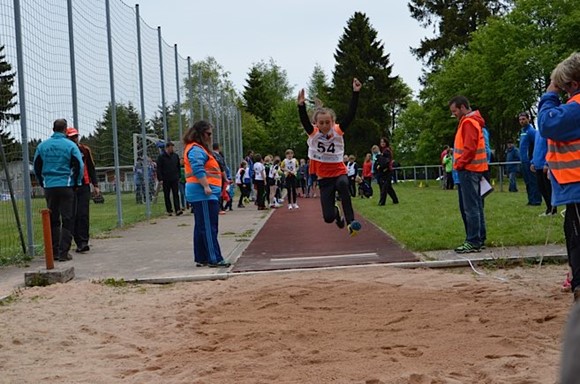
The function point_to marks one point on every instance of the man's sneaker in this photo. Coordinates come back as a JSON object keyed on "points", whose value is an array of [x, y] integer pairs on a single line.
{"points": [[543, 214], [339, 219], [467, 247], [290, 206], [295, 206], [354, 227]]}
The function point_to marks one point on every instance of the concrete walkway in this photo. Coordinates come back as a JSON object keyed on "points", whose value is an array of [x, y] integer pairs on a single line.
{"points": [[161, 251]]}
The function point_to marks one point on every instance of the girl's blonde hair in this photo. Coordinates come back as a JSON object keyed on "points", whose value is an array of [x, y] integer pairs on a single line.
{"points": [[567, 71], [322, 111]]}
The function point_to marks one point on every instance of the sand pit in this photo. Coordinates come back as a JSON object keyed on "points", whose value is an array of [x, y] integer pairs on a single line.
{"points": [[362, 325]]}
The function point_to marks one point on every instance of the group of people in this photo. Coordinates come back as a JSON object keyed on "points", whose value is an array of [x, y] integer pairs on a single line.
{"points": [[66, 171]]}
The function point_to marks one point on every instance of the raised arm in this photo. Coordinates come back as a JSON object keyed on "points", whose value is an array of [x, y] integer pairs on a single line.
{"points": [[304, 119], [345, 122]]}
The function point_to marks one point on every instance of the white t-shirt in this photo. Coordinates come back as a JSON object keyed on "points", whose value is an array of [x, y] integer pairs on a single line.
{"points": [[290, 165], [259, 171]]}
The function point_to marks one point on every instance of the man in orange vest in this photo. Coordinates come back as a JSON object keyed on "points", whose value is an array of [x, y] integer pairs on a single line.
{"points": [[470, 162], [559, 123]]}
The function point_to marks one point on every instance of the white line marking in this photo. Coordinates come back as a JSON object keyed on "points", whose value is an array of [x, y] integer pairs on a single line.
{"points": [[366, 255]]}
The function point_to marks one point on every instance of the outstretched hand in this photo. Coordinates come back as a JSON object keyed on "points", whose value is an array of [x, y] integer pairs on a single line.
{"points": [[301, 98], [356, 85]]}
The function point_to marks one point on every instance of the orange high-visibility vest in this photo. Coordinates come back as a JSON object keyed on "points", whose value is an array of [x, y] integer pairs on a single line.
{"points": [[212, 167], [563, 157], [479, 162]]}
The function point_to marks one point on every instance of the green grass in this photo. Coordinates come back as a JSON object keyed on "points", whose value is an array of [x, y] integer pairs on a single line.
{"points": [[428, 218], [103, 219]]}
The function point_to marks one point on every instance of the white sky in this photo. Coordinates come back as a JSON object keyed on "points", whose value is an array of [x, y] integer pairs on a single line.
{"points": [[296, 34]]}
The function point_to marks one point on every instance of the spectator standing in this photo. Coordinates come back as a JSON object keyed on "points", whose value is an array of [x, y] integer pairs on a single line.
{"points": [[384, 168], [139, 180], [244, 191], [448, 167], [302, 176], [168, 172], [289, 167], [203, 178], [539, 167], [259, 181], [83, 194], [367, 169], [527, 141], [352, 173], [58, 166], [470, 162], [222, 162], [512, 154]]}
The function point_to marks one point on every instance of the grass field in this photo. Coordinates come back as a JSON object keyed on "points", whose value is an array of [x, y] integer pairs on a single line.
{"points": [[428, 218], [103, 220]]}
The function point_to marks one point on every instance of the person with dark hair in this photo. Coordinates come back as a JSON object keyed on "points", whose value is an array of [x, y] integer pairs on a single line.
{"points": [[384, 170], [203, 188], [168, 173], [83, 194], [470, 162], [59, 169], [260, 182], [527, 143]]}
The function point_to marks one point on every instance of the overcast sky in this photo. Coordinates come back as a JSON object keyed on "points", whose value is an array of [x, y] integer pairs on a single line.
{"points": [[296, 34]]}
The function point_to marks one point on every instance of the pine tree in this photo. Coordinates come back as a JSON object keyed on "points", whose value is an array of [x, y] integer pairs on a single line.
{"points": [[360, 55], [12, 148], [318, 85]]}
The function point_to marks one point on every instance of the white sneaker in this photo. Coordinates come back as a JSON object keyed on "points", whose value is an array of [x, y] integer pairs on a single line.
{"points": [[290, 206], [295, 206]]}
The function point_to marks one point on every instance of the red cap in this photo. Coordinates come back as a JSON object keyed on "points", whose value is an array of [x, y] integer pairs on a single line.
{"points": [[72, 132]]}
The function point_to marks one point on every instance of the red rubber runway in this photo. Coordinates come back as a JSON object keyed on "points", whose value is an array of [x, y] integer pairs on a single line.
{"points": [[300, 238]]}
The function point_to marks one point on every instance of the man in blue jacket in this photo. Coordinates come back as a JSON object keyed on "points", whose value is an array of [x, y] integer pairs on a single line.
{"points": [[512, 154], [58, 166], [527, 142]]}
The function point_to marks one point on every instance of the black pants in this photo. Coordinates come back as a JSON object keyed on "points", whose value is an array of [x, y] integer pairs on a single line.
{"points": [[173, 188], [81, 227], [243, 193], [328, 188], [572, 233], [261, 193], [61, 202], [352, 185], [545, 187], [291, 186], [387, 188]]}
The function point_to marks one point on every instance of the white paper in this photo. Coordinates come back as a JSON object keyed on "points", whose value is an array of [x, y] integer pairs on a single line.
{"points": [[485, 187]]}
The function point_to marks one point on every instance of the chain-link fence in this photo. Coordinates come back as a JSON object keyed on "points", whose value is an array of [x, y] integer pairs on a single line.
{"points": [[99, 65]]}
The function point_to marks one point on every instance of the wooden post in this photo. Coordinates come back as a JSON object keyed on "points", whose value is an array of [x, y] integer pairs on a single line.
{"points": [[47, 233]]}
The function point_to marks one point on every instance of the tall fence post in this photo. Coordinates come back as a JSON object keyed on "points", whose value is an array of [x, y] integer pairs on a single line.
{"points": [[24, 128], [73, 73], [163, 106], [190, 77], [114, 116], [144, 157], [200, 93], [178, 92]]}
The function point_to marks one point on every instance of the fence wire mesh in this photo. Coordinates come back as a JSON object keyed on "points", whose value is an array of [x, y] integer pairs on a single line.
{"points": [[61, 70]]}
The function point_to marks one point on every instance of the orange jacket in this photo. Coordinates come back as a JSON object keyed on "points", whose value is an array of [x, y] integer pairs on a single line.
{"points": [[465, 157], [212, 167], [563, 157]]}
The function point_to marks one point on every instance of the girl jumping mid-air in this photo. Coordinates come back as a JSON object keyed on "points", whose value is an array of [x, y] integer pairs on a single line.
{"points": [[326, 151]]}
